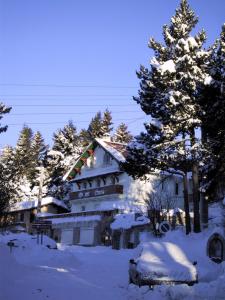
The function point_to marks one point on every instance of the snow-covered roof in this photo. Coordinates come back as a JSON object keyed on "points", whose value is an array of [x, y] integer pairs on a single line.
{"points": [[117, 150], [99, 171], [75, 219], [24, 205], [128, 220]]}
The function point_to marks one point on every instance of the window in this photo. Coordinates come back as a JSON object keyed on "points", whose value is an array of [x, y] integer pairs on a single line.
{"points": [[98, 182], [176, 188], [90, 183], [113, 180], [107, 159], [21, 217], [82, 208], [85, 185], [91, 164]]}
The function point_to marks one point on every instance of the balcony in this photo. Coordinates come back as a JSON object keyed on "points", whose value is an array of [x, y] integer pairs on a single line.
{"points": [[101, 191]]}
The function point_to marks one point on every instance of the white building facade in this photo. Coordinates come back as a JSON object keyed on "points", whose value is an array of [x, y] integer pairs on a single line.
{"points": [[100, 189]]}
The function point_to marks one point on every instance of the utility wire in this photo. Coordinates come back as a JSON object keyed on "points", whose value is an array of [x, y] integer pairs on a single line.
{"points": [[49, 123], [65, 113], [65, 95], [73, 105], [68, 86]]}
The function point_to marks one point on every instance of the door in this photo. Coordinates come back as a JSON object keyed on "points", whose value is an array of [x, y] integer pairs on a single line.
{"points": [[67, 237], [87, 236]]}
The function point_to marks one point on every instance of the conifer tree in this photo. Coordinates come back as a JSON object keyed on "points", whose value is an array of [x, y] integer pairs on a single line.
{"points": [[168, 93], [67, 146], [107, 123], [213, 121], [38, 152], [68, 142], [3, 110], [122, 135], [23, 153], [95, 126], [9, 175]]}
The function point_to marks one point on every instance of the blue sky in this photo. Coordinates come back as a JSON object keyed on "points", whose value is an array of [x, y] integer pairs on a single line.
{"points": [[68, 52]]}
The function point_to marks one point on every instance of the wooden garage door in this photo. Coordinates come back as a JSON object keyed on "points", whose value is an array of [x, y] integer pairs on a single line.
{"points": [[87, 236], [67, 237]]}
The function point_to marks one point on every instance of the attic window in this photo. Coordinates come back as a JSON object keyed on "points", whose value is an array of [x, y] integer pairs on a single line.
{"points": [[107, 159]]}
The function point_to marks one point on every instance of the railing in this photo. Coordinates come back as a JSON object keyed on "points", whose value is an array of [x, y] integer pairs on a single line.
{"points": [[82, 214], [101, 191]]}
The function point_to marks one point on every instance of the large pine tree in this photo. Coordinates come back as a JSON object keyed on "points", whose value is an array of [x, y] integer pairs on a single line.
{"points": [[213, 121], [168, 94]]}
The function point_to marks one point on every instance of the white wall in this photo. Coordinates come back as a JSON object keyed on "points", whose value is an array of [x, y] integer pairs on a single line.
{"points": [[135, 192]]}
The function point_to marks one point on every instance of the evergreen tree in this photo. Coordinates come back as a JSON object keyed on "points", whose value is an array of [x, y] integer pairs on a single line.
{"points": [[3, 110], [122, 135], [85, 137], [213, 121], [38, 152], [9, 172], [95, 126], [7, 190], [67, 141], [67, 146], [107, 123], [23, 152], [168, 93]]}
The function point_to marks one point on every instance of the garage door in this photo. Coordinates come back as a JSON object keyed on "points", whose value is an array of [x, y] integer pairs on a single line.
{"points": [[86, 236], [67, 237]]}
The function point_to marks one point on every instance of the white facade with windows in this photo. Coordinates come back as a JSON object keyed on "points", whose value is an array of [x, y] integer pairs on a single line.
{"points": [[100, 189]]}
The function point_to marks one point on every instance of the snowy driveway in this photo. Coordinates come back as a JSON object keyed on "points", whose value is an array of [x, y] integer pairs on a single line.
{"points": [[70, 273]]}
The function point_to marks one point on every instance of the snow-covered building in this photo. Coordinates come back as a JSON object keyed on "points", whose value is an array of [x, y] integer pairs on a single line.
{"points": [[23, 213], [100, 189]]}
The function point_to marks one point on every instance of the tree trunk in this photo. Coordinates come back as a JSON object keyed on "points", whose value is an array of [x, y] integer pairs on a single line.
{"points": [[197, 227], [203, 201], [195, 180], [186, 205]]}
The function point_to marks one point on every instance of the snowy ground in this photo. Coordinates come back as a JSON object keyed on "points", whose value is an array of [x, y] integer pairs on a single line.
{"points": [[34, 272]]}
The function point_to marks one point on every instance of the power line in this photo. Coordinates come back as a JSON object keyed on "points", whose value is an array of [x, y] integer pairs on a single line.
{"points": [[65, 95], [50, 123], [73, 105], [66, 113], [68, 86]]}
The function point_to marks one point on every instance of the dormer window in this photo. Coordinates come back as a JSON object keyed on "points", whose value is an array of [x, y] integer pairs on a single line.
{"points": [[107, 159]]}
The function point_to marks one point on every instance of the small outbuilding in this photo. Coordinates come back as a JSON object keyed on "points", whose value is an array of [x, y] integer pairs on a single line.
{"points": [[126, 229]]}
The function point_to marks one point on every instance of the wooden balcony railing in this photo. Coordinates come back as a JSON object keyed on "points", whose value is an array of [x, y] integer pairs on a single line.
{"points": [[101, 191]]}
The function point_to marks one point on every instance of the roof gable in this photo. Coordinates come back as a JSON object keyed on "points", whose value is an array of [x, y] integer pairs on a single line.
{"points": [[116, 150]]}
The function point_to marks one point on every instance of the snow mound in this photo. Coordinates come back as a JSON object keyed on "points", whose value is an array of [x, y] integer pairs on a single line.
{"points": [[126, 221], [171, 257]]}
